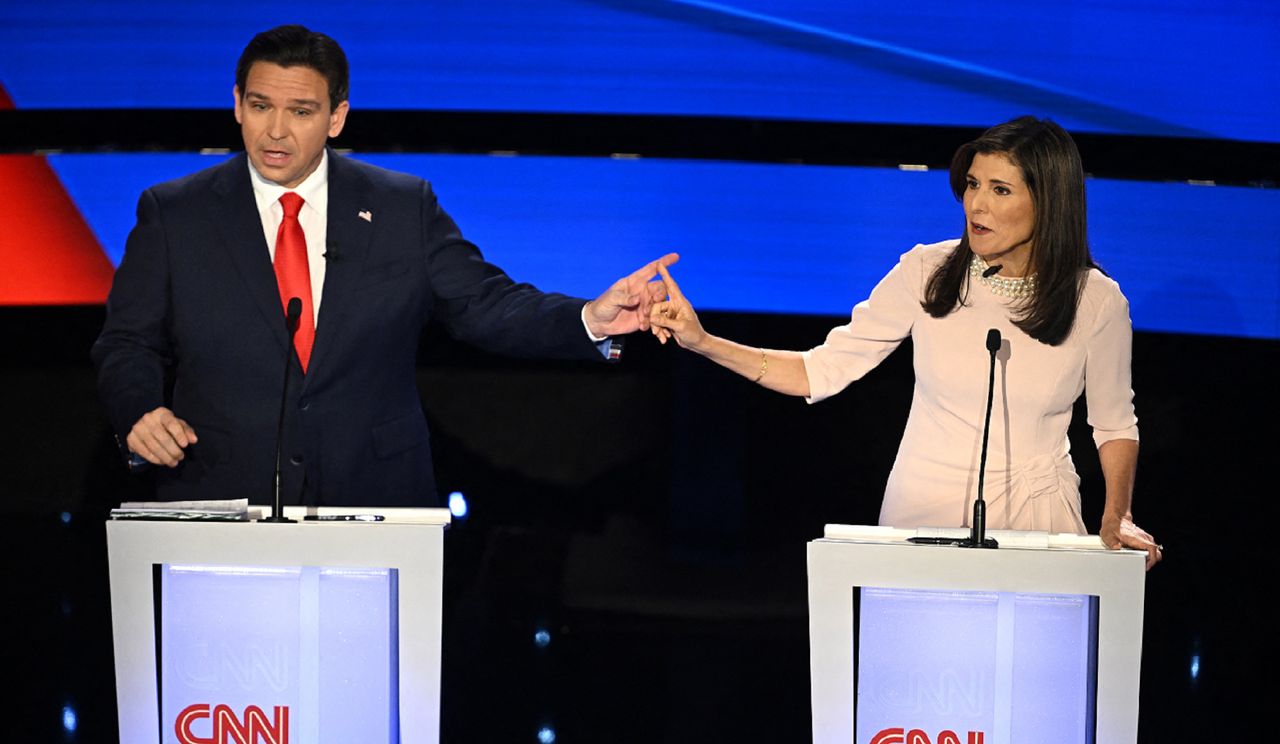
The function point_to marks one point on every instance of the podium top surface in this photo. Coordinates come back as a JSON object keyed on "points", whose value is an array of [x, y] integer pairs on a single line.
{"points": [[240, 511], [1035, 562], [1030, 540], [408, 539]]}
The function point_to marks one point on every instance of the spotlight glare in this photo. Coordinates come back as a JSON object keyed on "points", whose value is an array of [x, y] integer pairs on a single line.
{"points": [[457, 505], [69, 718], [1195, 667], [546, 735], [542, 638]]}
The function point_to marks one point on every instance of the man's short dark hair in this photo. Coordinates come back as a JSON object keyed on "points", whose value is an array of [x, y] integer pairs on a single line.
{"points": [[292, 46]]}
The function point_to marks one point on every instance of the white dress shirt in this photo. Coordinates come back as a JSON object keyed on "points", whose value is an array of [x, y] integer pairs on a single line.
{"points": [[314, 191]]}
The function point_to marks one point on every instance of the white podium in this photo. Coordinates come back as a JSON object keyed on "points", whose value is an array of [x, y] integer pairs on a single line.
{"points": [[318, 631], [1038, 640]]}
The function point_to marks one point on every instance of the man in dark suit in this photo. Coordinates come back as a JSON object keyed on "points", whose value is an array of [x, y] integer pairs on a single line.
{"points": [[199, 303]]}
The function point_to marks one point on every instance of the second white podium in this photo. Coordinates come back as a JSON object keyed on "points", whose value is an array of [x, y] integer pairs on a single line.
{"points": [[1039, 640]]}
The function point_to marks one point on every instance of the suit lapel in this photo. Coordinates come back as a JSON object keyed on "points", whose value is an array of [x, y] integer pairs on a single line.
{"points": [[348, 235], [237, 220]]}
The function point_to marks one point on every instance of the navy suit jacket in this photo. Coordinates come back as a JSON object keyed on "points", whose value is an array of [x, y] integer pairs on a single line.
{"points": [[194, 322]]}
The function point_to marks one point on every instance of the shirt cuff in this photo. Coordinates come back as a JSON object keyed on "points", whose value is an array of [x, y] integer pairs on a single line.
{"points": [[609, 347], [594, 339]]}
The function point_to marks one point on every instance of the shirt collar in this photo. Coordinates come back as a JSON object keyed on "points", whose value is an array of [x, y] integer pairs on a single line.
{"points": [[314, 189]]}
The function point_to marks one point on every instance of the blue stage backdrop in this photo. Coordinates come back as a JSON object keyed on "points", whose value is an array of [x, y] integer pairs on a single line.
{"points": [[783, 238], [1180, 67]]}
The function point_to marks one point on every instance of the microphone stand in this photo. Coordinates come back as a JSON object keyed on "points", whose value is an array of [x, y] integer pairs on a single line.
{"points": [[978, 529], [292, 313]]}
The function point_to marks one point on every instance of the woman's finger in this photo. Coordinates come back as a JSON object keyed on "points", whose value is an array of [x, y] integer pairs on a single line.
{"points": [[673, 289]]}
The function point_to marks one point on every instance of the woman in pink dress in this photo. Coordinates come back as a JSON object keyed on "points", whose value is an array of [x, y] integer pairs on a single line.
{"points": [[1022, 267]]}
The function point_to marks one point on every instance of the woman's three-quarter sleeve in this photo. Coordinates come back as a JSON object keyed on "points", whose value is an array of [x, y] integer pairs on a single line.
{"points": [[876, 327], [1108, 367]]}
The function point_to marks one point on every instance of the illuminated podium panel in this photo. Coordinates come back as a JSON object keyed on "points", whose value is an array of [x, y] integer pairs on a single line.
{"points": [[318, 631], [1039, 640]]}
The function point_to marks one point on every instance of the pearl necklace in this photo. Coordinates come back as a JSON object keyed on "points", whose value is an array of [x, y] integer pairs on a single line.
{"points": [[1016, 287]]}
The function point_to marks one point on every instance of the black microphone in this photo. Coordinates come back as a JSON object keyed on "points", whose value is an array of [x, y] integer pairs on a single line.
{"points": [[987, 275], [978, 530], [291, 315]]}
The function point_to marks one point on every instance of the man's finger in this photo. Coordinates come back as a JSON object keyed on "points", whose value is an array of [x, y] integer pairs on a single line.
{"points": [[160, 437], [177, 430], [155, 446], [142, 449], [162, 441], [646, 272]]}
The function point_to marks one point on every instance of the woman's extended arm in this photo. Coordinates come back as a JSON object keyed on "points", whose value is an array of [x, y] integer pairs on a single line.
{"points": [[782, 371]]}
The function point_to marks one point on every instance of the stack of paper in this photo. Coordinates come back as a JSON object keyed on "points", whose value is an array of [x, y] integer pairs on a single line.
{"points": [[231, 510]]}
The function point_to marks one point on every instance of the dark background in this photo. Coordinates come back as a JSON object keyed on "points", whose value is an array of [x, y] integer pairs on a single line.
{"points": [[653, 515]]}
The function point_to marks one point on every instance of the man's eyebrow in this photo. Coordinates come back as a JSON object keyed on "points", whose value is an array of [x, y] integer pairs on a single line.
{"points": [[308, 102]]}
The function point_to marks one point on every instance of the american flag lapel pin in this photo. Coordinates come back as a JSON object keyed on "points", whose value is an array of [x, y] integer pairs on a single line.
{"points": [[365, 215]]}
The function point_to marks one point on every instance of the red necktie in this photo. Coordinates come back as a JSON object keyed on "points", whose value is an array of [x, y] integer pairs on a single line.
{"points": [[294, 274]]}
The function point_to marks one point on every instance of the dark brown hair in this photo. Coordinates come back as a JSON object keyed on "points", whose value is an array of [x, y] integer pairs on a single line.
{"points": [[297, 46], [1050, 165]]}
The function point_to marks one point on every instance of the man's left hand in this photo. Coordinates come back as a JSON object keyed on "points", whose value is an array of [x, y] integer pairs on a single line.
{"points": [[624, 307]]}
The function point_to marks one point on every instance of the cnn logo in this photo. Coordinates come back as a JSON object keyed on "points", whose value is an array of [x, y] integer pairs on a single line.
{"points": [[916, 736], [225, 728]]}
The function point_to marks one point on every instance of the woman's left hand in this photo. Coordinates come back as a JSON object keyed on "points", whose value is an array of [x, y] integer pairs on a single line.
{"points": [[1123, 533]]}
